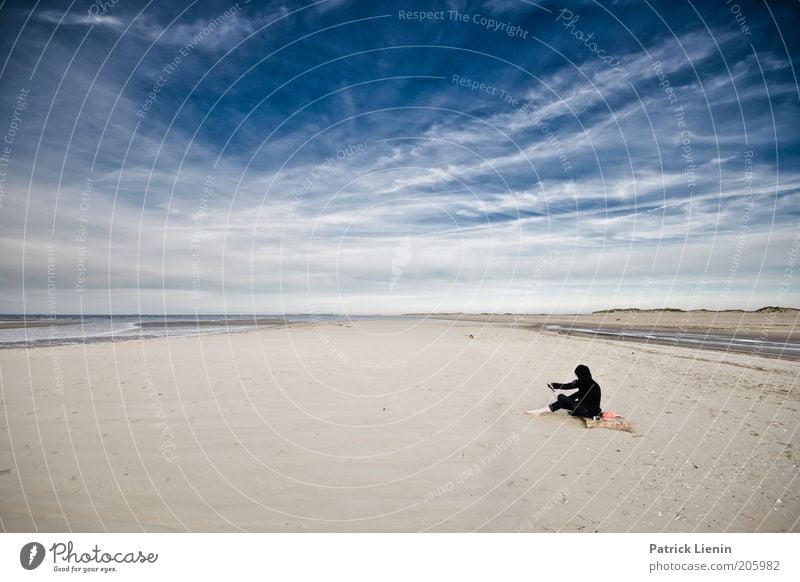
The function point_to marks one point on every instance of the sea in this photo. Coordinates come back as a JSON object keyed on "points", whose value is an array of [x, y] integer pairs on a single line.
{"points": [[80, 329]]}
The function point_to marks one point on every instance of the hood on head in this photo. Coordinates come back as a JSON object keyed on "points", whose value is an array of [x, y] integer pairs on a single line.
{"points": [[583, 373]]}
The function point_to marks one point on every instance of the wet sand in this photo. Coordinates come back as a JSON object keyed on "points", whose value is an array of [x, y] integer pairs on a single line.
{"points": [[774, 334]]}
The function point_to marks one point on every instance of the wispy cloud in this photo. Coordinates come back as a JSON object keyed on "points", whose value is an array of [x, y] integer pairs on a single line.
{"points": [[77, 18], [218, 32]]}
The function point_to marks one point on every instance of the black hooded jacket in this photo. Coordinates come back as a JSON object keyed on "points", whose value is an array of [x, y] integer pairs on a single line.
{"points": [[588, 392]]}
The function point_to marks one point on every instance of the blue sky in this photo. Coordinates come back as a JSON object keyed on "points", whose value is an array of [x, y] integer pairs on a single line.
{"points": [[353, 157]]}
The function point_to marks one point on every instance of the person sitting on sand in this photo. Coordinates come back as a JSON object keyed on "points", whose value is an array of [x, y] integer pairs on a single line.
{"points": [[585, 402]]}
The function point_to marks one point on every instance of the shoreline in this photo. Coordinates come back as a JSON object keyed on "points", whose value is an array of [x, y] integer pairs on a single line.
{"points": [[699, 330], [211, 323], [23, 324], [46, 343], [26, 323]]}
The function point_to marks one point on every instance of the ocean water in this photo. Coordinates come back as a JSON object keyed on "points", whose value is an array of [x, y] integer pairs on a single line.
{"points": [[76, 329]]}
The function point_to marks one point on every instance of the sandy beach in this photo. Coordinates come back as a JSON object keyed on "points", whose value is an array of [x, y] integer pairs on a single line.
{"points": [[396, 425]]}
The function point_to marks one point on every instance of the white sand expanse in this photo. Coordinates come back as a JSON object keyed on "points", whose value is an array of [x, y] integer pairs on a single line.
{"points": [[393, 426]]}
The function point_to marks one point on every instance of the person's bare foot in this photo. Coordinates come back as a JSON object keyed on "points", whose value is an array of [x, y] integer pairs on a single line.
{"points": [[539, 411]]}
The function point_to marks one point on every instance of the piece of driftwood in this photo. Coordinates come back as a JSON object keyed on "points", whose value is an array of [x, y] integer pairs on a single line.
{"points": [[618, 423]]}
